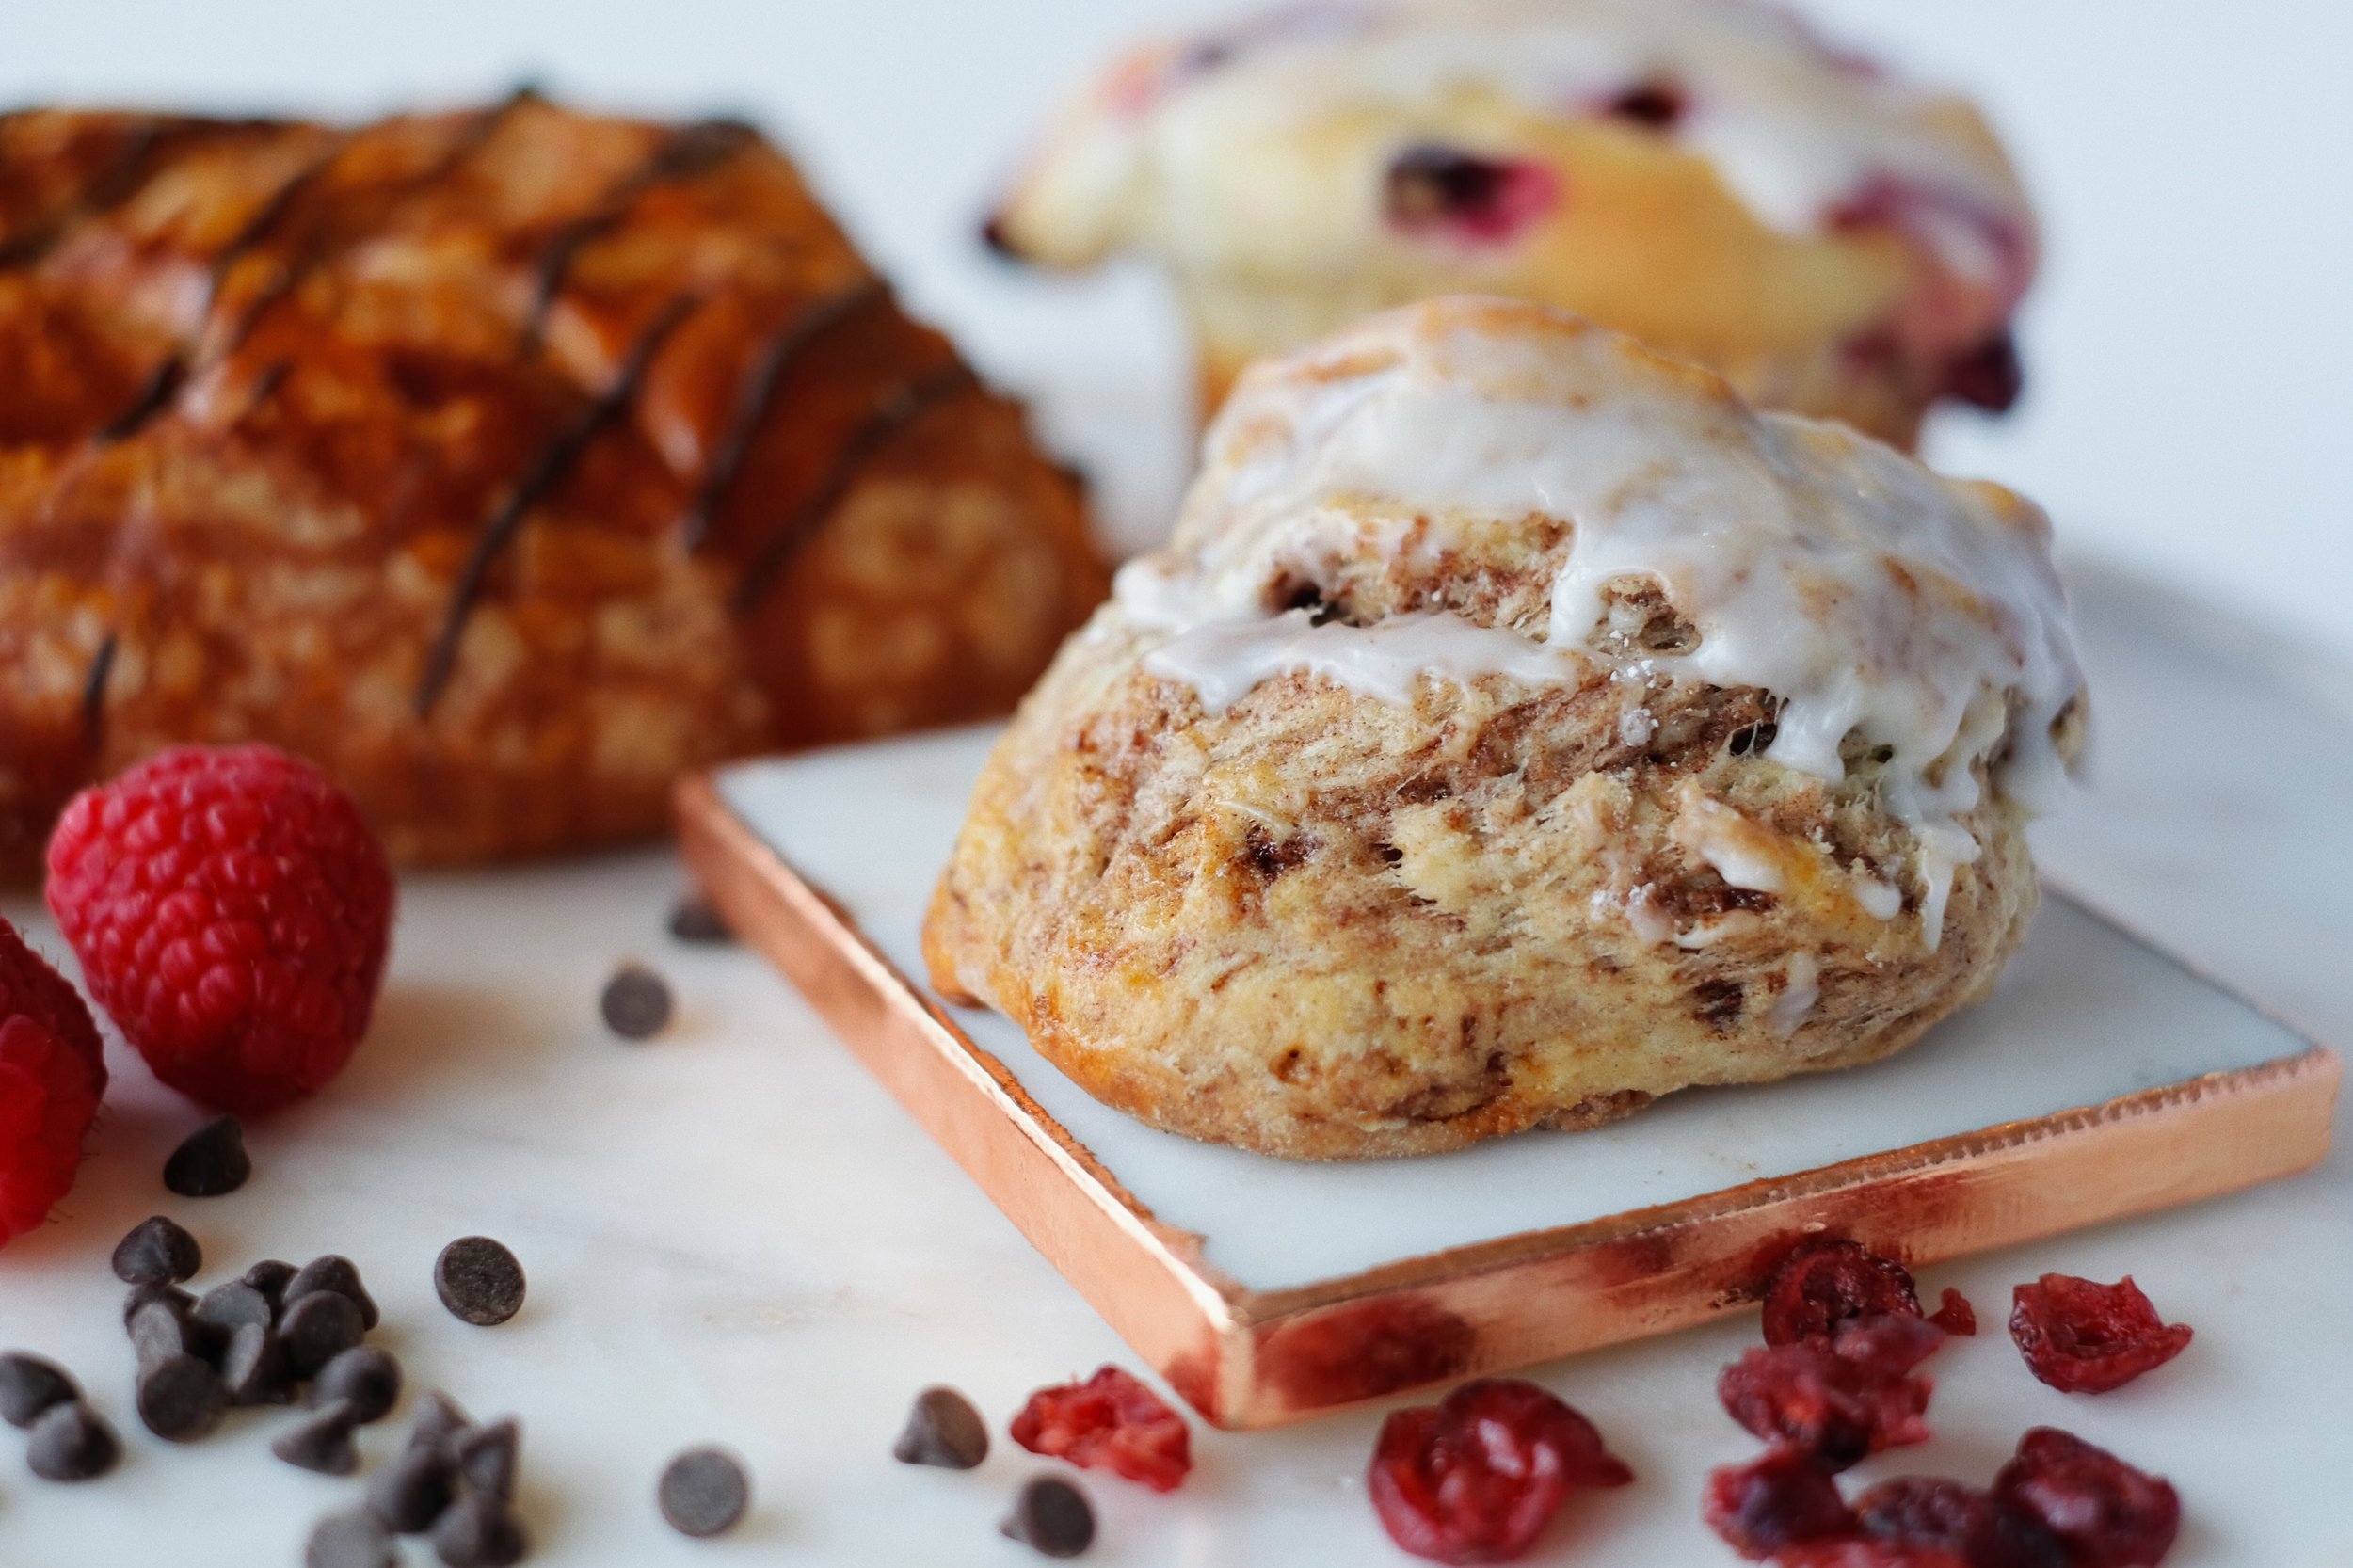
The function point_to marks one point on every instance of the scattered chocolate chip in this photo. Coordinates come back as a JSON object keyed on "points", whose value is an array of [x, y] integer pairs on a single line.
{"points": [[232, 1306], [352, 1538], [331, 1273], [317, 1329], [487, 1457], [254, 1367], [943, 1429], [270, 1277], [363, 1377], [479, 1281], [697, 919], [636, 1003], [440, 1419], [209, 1161], [1052, 1516], [156, 1253], [322, 1442], [159, 1333], [31, 1384], [182, 1303], [181, 1398], [703, 1492], [478, 1532], [411, 1491], [70, 1442]]}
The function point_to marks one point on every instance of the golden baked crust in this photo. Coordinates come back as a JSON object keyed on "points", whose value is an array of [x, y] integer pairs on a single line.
{"points": [[1321, 922], [507, 463], [1705, 175]]}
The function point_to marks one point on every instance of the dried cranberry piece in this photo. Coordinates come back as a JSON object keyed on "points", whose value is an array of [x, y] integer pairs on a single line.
{"points": [[1660, 105], [2083, 1337], [1954, 1314], [1433, 188], [1866, 1554], [1109, 1422], [1780, 1500], [1823, 1283], [2103, 1511], [1478, 1475], [1837, 1403], [1976, 1527]]}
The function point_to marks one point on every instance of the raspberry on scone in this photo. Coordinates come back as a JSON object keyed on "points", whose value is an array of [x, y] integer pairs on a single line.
{"points": [[52, 1073], [232, 912]]}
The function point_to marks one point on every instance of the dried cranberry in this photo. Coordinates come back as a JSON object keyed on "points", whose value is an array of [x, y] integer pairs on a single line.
{"points": [[1779, 1501], [2104, 1513], [1109, 1422], [1835, 1407], [1987, 374], [1866, 1554], [1976, 1527], [1659, 105], [2083, 1337], [1823, 1283], [1478, 1475], [1430, 188], [1954, 1314]]}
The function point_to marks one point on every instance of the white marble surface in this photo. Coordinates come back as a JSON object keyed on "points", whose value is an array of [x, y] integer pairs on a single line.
{"points": [[733, 1233], [2084, 1013]]}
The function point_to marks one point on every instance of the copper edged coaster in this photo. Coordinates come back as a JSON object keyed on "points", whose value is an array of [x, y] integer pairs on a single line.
{"points": [[2103, 1079]]}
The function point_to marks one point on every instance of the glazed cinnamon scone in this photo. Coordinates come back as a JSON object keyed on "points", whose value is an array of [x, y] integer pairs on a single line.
{"points": [[1709, 175], [507, 463], [1518, 729]]}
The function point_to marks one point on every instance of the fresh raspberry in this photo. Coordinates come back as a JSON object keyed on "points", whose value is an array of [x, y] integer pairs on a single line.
{"points": [[52, 1072], [232, 912], [1109, 1421]]}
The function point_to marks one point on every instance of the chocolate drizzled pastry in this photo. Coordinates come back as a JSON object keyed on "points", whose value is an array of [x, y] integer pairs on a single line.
{"points": [[507, 462]]}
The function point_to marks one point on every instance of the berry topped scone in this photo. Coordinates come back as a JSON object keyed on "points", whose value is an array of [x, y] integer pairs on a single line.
{"points": [[1519, 727], [1709, 175]]}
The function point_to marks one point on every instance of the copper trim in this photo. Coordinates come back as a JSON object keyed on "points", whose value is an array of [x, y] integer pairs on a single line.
{"points": [[1250, 1359]]}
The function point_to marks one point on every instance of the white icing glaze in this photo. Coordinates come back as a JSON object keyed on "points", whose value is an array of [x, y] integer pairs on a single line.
{"points": [[1793, 127], [1871, 597], [1797, 996]]}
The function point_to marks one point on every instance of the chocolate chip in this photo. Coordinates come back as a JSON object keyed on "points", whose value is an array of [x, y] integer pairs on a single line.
{"points": [[703, 1492], [181, 1398], [232, 1306], [317, 1329], [479, 1281], [698, 920], [160, 1332], [156, 1253], [254, 1367], [31, 1384], [331, 1273], [322, 1442], [943, 1429], [440, 1419], [270, 1277], [487, 1457], [352, 1538], [182, 1303], [209, 1161], [70, 1442], [411, 1491], [1052, 1516], [363, 1377], [478, 1532], [636, 1003]]}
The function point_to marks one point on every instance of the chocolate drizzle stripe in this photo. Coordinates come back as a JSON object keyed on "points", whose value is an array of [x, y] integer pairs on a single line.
{"points": [[894, 412], [547, 469], [686, 152], [759, 391], [102, 668]]}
